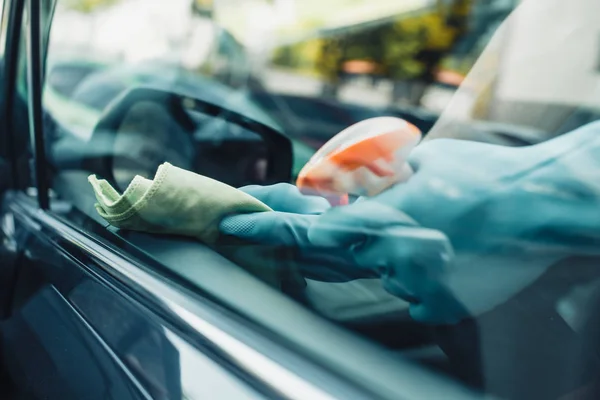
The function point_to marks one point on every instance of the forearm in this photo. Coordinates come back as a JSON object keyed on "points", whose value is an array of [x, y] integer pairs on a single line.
{"points": [[565, 184]]}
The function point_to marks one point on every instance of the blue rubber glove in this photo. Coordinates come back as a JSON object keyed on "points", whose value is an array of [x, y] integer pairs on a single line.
{"points": [[287, 227], [509, 214]]}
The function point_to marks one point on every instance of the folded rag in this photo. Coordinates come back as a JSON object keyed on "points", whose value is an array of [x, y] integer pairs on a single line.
{"points": [[180, 202], [176, 202]]}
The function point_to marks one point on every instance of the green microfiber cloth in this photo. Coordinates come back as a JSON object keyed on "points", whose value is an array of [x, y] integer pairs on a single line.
{"points": [[180, 202], [176, 202]]}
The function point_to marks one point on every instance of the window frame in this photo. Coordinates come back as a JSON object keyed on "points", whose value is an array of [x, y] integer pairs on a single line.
{"points": [[35, 81], [11, 30], [15, 36]]}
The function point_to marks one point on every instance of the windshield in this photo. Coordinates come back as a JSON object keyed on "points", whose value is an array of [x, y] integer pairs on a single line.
{"points": [[449, 233]]}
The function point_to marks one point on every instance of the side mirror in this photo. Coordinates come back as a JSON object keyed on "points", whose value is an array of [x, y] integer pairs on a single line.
{"points": [[146, 127]]}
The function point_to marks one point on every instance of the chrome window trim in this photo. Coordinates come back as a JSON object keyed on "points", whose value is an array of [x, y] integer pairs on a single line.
{"points": [[192, 316]]}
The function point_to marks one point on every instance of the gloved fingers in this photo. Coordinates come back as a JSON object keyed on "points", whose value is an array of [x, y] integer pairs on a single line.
{"points": [[441, 308], [284, 197], [331, 265], [425, 161], [353, 224], [272, 228], [415, 271], [406, 251], [409, 260], [428, 153], [310, 205]]}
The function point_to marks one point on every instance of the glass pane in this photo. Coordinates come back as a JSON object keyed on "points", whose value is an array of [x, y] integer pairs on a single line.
{"points": [[471, 255]]}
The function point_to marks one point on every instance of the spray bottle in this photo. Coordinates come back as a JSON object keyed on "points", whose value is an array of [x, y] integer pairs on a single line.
{"points": [[362, 160]]}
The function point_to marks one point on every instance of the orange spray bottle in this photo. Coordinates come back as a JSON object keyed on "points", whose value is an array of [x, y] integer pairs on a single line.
{"points": [[362, 160]]}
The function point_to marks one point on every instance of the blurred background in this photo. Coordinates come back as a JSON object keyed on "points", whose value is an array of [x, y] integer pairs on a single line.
{"points": [[313, 67]]}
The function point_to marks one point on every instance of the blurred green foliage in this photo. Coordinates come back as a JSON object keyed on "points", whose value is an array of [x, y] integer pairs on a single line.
{"points": [[395, 47]]}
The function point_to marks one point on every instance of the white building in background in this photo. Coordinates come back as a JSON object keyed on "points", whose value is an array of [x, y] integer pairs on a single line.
{"points": [[540, 66], [133, 31], [551, 55]]}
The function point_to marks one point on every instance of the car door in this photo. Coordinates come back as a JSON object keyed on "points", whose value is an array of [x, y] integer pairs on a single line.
{"points": [[89, 312], [68, 331]]}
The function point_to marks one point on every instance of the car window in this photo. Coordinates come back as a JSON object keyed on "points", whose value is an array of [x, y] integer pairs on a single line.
{"points": [[64, 79], [418, 244]]}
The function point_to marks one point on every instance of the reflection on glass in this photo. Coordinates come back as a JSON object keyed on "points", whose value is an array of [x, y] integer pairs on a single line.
{"points": [[193, 365], [149, 136], [467, 246], [165, 365]]}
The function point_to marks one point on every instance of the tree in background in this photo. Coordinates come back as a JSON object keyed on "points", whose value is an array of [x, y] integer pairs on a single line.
{"points": [[203, 8], [407, 50], [329, 64], [391, 48]]}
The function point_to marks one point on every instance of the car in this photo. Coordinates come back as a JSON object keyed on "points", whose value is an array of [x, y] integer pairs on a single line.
{"points": [[90, 311]]}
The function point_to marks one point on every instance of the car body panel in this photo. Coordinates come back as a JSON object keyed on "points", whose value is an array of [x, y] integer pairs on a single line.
{"points": [[73, 334]]}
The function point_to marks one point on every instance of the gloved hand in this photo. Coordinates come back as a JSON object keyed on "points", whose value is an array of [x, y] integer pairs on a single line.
{"points": [[509, 214], [287, 227]]}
